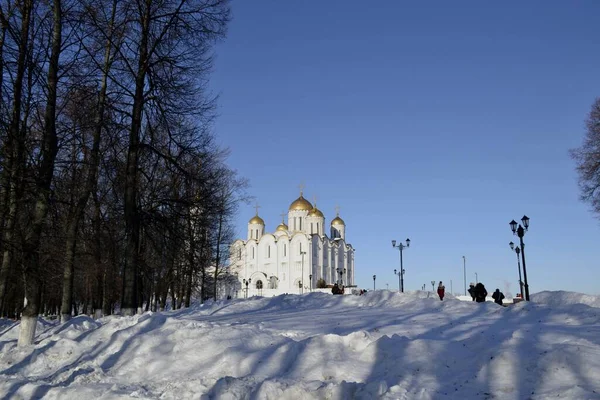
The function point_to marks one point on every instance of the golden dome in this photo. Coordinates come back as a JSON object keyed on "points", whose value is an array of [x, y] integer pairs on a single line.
{"points": [[337, 221], [315, 212], [301, 204], [282, 227], [256, 220]]}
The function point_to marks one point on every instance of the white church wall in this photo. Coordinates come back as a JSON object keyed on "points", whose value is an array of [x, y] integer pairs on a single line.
{"points": [[267, 250]]}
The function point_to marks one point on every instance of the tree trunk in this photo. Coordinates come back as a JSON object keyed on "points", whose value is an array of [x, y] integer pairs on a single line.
{"points": [[15, 149], [132, 224], [48, 152]]}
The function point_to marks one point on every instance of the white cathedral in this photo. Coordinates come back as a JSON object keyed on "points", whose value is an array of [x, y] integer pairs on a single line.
{"points": [[296, 258]]}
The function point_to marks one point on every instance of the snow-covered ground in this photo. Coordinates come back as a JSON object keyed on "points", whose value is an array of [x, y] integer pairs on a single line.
{"points": [[318, 346]]}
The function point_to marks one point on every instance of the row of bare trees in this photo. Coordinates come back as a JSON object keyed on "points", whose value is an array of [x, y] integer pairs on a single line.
{"points": [[114, 194]]}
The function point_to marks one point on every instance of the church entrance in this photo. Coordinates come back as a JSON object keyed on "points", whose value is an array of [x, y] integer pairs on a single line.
{"points": [[259, 287], [297, 285]]}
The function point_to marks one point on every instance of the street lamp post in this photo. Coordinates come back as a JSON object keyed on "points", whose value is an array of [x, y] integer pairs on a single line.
{"points": [[310, 280], [465, 273], [433, 286], [374, 276], [518, 251], [401, 246], [520, 232], [246, 282], [476, 278], [302, 253]]}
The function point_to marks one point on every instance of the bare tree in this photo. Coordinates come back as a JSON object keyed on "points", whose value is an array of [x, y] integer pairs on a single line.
{"points": [[49, 148], [108, 100], [173, 39], [14, 149], [92, 161], [587, 158]]}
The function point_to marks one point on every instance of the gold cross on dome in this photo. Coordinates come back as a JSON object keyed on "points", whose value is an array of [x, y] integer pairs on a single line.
{"points": [[315, 201], [256, 207], [337, 210], [282, 217], [301, 186]]}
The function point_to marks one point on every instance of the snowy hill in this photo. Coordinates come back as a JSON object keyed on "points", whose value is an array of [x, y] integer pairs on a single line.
{"points": [[562, 298], [317, 346]]}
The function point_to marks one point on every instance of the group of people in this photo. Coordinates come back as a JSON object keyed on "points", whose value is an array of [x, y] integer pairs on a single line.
{"points": [[478, 293]]}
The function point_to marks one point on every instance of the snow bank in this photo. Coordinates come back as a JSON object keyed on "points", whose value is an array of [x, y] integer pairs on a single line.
{"points": [[563, 298], [384, 344]]}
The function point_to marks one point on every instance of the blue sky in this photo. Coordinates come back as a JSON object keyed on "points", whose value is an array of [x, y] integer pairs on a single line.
{"points": [[434, 120]]}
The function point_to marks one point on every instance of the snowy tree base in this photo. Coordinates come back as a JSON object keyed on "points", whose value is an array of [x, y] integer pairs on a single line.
{"points": [[127, 312], [27, 331], [97, 313], [64, 318]]}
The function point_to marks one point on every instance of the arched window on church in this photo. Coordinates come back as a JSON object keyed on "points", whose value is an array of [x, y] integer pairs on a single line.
{"points": [[268, 251], [311, 228], [253, 253], [259, 284], [284, 249]]}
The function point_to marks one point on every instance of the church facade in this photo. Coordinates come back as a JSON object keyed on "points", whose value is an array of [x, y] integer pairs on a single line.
{"points": [[297, 257]]}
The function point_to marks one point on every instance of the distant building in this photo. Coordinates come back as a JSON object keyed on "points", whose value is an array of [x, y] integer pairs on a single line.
{"points": [[296, 256]]}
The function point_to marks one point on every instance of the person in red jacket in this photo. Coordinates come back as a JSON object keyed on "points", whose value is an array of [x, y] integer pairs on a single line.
{"points": [[441, 290]]}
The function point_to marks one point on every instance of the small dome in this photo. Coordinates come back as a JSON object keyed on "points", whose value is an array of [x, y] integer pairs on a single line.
{"points": [[315, 212], [282, 227], [337, 221], [256, 220], [301, 204]]}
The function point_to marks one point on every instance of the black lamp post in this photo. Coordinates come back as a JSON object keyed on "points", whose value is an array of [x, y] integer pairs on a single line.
{"points": [[401, 246], [374, 277], [465, 273], [518, 251], [341, 271], [247, 282], [520, 232], [310, 280]]}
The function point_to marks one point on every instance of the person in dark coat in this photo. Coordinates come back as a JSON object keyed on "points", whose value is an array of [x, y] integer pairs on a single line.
{"points": [[472, 291], [441, 290], [480, 293], [335, 289], [498, 296]]}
